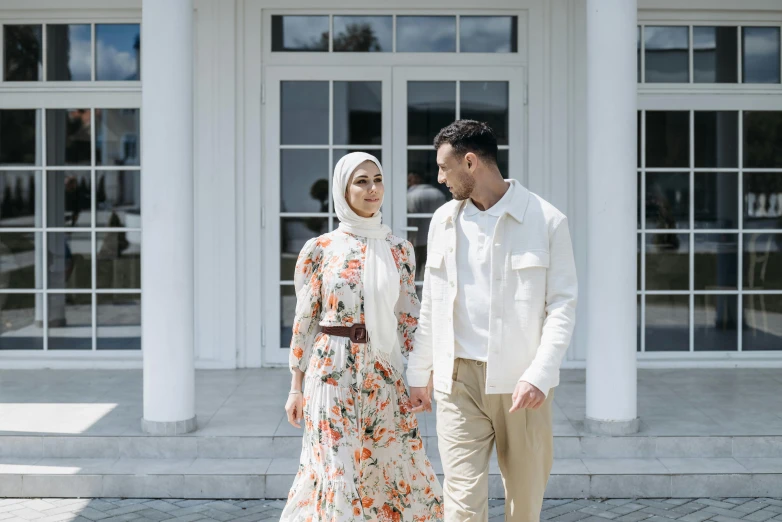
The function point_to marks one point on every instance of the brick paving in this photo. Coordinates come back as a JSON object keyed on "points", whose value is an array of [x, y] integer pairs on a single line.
{"points": [[563, 510]]}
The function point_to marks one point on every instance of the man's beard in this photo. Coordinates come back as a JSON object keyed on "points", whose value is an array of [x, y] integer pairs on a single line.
{"points": [[465, 190]]}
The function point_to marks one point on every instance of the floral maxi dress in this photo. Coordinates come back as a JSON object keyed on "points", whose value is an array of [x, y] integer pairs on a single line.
{"points": [[362, 457]]}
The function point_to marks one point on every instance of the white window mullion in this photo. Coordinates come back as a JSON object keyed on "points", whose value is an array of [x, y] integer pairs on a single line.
{"points": [[691, 232], [691, 55], [44, 234], [44, 59], [93, 233], [740, 304]]}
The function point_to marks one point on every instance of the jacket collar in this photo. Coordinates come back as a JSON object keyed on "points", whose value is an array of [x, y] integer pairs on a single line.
{"points": [[516, 209]]}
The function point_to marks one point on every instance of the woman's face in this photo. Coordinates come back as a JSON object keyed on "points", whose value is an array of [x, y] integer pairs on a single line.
{"points": [[365, 189]]}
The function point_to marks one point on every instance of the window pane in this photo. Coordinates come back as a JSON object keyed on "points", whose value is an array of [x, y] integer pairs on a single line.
{"points": [[503, 163], [21, 319], [426, 34], [117, 52], [667, 323], [667, 262], [762, 139], [70, 322], [117, 137], [667, 139], [716, 201], [304, 115], [487, 102], [119, 260], [118, 198], [430, 107], [363, 34], [716, 323], [294, 233], [69, 53], [762, 200], [68, 199], [667, 200], [119, 321], [304, 181], [20, 139], [716, 263], [287, 313], [424, 196], [760, 61], [300, 33], [20, 199], [763, 261], [488, 34], [22, 44], [70, 260], [717, 139], [715, 54], [667, 51], [68, 134], [762, 325], [358, 118], [338, 153], [21, 260], [423, 163]]}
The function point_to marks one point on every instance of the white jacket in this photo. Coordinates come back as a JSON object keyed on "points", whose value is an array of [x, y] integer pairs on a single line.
{"points": [[532, 310]]}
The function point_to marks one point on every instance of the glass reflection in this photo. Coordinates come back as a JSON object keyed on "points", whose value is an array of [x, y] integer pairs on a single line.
{"points": [[762, 200], [763, 261], [358, 118], [70, 260], [487, 102], [716, 204], [304, 113], [716, 323], [118, 198], [716, 139], [21, 318], [294, 233], [69, 201], [119, 321], [118, 260], [68, 135], [117, 52], [23, 49], [760, 60], [20, 139], [666, 50], [715, 54], [69, 52], [70, 321], [667, 200], [667, 139], [430, 107], [503, 163], [117, 136], [363, 34], [304, 180], [488, 34], [424, 164], [667, 323], [424, 196], [300, 33], [287, 314], [761, 328], [20, 199], [716, 263], [667, 262], [21, 260], [762, 136], [426, 34]]}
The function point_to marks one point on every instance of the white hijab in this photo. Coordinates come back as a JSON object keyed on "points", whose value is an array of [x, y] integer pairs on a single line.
{"points": [[380, 276]]}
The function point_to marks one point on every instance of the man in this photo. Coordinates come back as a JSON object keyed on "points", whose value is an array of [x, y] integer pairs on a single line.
{"points": [[498, 311], [422, 198]]}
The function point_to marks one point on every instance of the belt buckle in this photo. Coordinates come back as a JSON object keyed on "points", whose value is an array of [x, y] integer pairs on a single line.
{"points": [[358, 333]]}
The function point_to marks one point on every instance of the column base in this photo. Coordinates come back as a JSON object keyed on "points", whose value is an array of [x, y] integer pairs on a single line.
{"points": [[612, 428], [169, 428]]}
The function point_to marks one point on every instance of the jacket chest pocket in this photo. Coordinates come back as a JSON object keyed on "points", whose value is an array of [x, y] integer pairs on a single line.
{"points": [[529, 273], [438, 278]]}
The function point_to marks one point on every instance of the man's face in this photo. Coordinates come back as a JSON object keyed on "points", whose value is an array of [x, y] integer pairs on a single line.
{"points": [[454, 173]]}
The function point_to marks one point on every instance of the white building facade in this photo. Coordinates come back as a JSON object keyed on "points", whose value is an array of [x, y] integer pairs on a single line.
{"points": [[655, 126]]}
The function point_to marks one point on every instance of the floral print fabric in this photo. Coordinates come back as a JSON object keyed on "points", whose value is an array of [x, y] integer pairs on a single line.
{"points": [[362, 456]]}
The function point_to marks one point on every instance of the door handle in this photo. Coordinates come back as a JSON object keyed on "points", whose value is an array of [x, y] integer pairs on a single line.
{"points": [[409, 229]]}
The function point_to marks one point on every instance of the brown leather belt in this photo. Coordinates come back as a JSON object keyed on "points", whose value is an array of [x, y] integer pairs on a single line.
{"points": [[357, 333]]}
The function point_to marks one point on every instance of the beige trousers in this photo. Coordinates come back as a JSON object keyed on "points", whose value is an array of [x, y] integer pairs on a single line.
{"points": [[469, 423]]}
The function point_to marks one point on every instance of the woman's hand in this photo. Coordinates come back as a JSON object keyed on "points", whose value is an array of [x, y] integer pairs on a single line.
{"points": [[294, 408]]}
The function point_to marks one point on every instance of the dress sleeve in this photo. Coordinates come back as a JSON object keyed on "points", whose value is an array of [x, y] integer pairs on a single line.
{"points": [[307, 280], [408, 307]]}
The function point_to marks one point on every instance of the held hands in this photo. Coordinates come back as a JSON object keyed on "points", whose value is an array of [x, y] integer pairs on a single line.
{"points": [[526, 396], [421, 398]]}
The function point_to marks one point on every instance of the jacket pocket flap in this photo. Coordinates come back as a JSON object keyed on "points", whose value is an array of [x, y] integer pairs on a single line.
{"points": [[434, 260], [533, 258]]}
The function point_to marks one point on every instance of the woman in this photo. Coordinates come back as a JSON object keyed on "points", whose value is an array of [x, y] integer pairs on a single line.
{"points": [[362, 456]]}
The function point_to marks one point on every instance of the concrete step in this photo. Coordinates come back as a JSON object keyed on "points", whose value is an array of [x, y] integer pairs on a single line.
{"points": [[247, 478]]}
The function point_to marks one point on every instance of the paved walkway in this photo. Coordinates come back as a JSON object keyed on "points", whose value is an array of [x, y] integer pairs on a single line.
{"points": [[566, 510]]}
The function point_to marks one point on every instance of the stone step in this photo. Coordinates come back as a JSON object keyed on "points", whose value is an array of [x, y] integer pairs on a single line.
{"points": [[271, 478]]}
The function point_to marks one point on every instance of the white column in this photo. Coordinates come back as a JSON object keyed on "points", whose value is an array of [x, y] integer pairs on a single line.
{"points": [[611, 191], [167, 216]]}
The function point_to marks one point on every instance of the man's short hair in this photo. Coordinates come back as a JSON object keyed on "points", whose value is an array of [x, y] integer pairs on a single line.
{"points": [[469, 136]]}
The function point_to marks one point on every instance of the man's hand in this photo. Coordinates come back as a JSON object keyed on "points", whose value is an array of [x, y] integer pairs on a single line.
{"points": [[421, 398], [526, 396]]}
